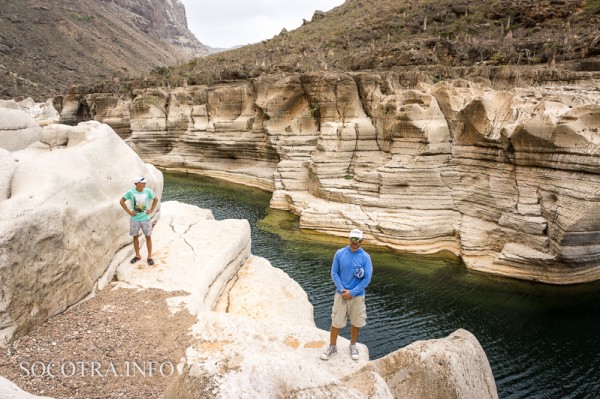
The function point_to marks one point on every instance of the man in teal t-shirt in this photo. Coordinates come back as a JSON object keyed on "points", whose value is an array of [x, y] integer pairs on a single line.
{"points": [[139, 198]]}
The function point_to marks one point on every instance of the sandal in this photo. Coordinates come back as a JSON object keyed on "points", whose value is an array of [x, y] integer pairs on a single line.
{"points": [[134, 259], [150, 261]]}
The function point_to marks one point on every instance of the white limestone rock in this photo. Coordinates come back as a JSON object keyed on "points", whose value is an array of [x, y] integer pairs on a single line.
{"points": [[62, 223], [8, 104], [192, 253], [17, 129], [262, 329], [371, 385], [257, 284], [43, 113], [7, 167], [170, 128], [8, 390], [447, 368], [232, 353]]}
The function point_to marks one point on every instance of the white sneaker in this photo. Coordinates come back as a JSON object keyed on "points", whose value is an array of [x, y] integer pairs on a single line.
{"points": [[353, 351], [330, 351]]}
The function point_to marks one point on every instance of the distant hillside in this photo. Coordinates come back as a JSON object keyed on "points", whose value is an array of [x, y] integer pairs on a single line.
{"points": [[403, 34], [48, 46], [214, 50]]}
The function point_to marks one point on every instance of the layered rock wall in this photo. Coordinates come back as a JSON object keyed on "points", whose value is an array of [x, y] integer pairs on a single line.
{"points": [[507, 179]]}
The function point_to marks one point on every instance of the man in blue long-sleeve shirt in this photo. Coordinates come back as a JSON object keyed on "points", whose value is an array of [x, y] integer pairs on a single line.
{"points": [[351, 272]]}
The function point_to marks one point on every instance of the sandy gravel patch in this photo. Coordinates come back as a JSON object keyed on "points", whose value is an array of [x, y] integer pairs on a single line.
{"points": [[123, 343]]}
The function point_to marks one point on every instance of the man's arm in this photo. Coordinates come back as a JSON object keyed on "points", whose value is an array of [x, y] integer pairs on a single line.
{"points": [[149, 212], [122, 202], [335, 274], [368, 266]]}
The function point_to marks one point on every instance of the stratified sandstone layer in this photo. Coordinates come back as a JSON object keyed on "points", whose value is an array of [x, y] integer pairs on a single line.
{"points": [[507, 179]]}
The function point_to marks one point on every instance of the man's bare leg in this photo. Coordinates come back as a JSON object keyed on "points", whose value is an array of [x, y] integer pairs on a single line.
{"points": [[333, 335], [136, 246], [354, 333], [149, 246]]}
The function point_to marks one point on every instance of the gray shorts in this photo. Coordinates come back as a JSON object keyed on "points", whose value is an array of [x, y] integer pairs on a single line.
{"points": [[135, 226], [354, 309]]}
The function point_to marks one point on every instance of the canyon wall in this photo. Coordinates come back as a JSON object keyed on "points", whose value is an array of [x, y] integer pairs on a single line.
{"points": [[509, 180]]}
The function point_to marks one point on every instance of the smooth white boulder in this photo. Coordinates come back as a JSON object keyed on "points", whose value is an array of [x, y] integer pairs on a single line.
{"points": [[62, 224], [452, 367]]}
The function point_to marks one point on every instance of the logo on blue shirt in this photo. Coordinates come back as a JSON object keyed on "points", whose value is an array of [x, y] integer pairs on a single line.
{"points": [[359, 272]]}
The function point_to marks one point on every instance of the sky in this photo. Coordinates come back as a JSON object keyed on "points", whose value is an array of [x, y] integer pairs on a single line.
{"points": [[229, 23]]}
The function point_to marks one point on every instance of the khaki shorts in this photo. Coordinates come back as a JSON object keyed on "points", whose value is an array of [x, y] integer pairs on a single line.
{"points": [[354, 309]]}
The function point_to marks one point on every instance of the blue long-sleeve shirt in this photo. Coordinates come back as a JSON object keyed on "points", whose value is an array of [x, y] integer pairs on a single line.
{"points": [[351, 271]]}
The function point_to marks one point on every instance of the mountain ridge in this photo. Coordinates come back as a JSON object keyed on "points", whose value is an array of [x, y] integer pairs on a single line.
{"points": [[46, 48]]}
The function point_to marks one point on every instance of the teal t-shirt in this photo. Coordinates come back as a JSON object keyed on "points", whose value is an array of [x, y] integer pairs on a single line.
{"points": [[140, 202]]}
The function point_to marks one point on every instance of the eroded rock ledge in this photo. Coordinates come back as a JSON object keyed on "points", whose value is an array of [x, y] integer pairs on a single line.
{"points": [[506, 179]]}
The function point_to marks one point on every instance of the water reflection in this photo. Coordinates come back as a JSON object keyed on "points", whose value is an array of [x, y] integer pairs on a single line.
{"points": [[542, 341]]}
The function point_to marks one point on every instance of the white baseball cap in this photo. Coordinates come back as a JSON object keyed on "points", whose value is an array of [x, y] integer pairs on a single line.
{"points": [[139, 179], [356, 233]]}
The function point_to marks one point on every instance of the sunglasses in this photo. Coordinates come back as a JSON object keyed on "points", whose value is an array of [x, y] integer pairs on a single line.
{"points": [[355, 240]]}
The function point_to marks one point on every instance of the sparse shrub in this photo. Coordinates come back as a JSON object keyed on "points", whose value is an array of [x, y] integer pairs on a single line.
{"points": [[162, 70], [592, 6], [498, 57]]}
